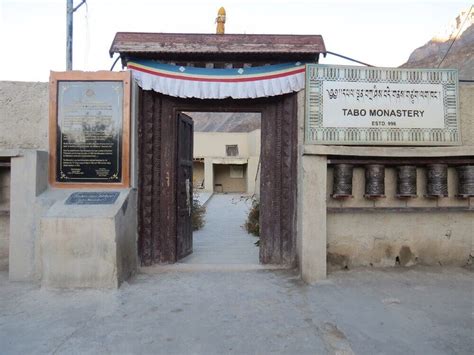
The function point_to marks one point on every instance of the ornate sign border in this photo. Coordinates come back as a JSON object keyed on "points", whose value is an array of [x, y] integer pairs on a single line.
{"points": [[317, 133], [101, 76]]}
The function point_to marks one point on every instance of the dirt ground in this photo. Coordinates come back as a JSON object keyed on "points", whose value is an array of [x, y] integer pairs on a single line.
{"points": [[394, 311]]}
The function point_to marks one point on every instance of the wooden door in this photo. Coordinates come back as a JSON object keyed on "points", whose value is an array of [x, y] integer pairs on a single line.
{"points": [[184, 185], [162, 236]]}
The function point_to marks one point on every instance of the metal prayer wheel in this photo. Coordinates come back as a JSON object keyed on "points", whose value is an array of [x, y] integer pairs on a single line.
{"points": [[465, 180], [437, 180], [406, 181], [375, 180], [342, 186]]}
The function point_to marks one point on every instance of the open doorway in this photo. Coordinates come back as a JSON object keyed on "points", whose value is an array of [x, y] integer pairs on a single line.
{"points": [[159, 178], [226, 177]]}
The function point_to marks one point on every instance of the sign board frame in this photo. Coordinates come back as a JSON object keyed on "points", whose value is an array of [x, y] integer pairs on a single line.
{"points": [[397, 118], [78, 77]]}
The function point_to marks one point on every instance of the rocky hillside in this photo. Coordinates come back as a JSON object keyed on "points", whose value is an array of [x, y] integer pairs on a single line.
{"points": [[460, 56], [225, 121]]}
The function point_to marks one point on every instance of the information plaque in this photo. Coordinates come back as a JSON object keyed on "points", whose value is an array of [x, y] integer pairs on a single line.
{"points": [[93, 198], [381, 106], [89, 128]]}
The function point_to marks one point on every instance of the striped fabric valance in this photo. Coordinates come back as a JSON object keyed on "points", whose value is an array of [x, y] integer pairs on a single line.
{"points": [[204, 83]]}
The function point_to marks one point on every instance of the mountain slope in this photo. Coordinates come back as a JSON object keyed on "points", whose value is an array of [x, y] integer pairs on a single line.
{"points": [[460, 55], [225, 121]]}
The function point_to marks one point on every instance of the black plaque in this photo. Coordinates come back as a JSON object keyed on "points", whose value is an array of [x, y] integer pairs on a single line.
{"points": [[89, 139], [93, 198]]}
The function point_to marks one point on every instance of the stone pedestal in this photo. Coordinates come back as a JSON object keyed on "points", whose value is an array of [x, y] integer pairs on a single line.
{"points": [[89, 246], [29, 178]]}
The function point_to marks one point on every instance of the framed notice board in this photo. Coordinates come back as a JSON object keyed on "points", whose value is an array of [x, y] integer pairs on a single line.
{"points": [[89, 129]]}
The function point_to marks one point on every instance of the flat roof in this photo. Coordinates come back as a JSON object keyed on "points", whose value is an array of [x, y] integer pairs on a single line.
{"points": [[203, 46]]}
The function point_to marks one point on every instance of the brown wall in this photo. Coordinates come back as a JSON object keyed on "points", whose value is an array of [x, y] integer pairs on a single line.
{"points": [[222, 176]]}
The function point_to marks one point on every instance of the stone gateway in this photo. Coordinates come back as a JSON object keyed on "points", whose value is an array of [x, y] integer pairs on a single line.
{"points": [[359, 166]]}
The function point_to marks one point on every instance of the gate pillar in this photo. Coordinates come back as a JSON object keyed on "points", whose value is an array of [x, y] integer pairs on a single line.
{"points": [[312, 212]]}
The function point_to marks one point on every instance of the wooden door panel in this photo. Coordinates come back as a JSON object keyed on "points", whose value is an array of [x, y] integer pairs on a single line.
{"points": [[184, 194]]}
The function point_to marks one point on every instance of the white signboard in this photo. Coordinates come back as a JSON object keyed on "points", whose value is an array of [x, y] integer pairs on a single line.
{"points": [[379, 106]]}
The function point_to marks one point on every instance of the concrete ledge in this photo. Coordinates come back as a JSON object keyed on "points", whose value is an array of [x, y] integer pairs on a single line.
{"points": [[234, 161], [388, 151], [399, 209], [157, 269], [89, 246], [11, 152]]}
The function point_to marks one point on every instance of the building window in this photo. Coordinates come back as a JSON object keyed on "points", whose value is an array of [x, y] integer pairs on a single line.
{"points": [[232, 150], [236, 171]]}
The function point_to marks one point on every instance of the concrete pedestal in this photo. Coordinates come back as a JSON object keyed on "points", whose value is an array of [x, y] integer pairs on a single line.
{"points": [[89, 246], [29, 178]]}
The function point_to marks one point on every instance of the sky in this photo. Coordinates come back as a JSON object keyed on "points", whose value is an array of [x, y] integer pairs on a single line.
{"points": [[378, 32]]}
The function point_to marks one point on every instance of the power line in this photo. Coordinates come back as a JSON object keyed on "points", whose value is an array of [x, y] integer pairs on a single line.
{"points": [[454, 39], [115, 62], [348, 58]]}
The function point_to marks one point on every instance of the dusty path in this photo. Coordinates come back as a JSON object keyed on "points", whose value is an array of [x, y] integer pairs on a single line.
{"points": [[400, 311], [223, 240]]}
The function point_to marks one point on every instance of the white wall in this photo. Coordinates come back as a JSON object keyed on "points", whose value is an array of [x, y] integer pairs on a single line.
{"points": [[377, 232], [377, 238], [211, 147], [212, 144]]}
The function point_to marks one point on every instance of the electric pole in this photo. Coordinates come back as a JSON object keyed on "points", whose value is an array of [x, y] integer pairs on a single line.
{"points": [[70, 9]]}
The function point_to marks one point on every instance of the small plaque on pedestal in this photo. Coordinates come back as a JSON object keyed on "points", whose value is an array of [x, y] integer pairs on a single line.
{"points": [[93, 198]]}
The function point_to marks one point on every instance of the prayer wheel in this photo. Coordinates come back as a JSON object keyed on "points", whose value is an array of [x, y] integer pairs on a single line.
{"points": [[437, 180], [375, 180], [342, 186], [406, 181], [465, 180]]}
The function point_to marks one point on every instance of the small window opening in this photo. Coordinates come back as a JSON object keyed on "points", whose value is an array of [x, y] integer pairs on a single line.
{"points": [[232, 150]]}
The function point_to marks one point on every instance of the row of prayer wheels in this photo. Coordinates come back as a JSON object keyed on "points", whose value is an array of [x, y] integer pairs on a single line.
{"points": [[437, 180]]}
